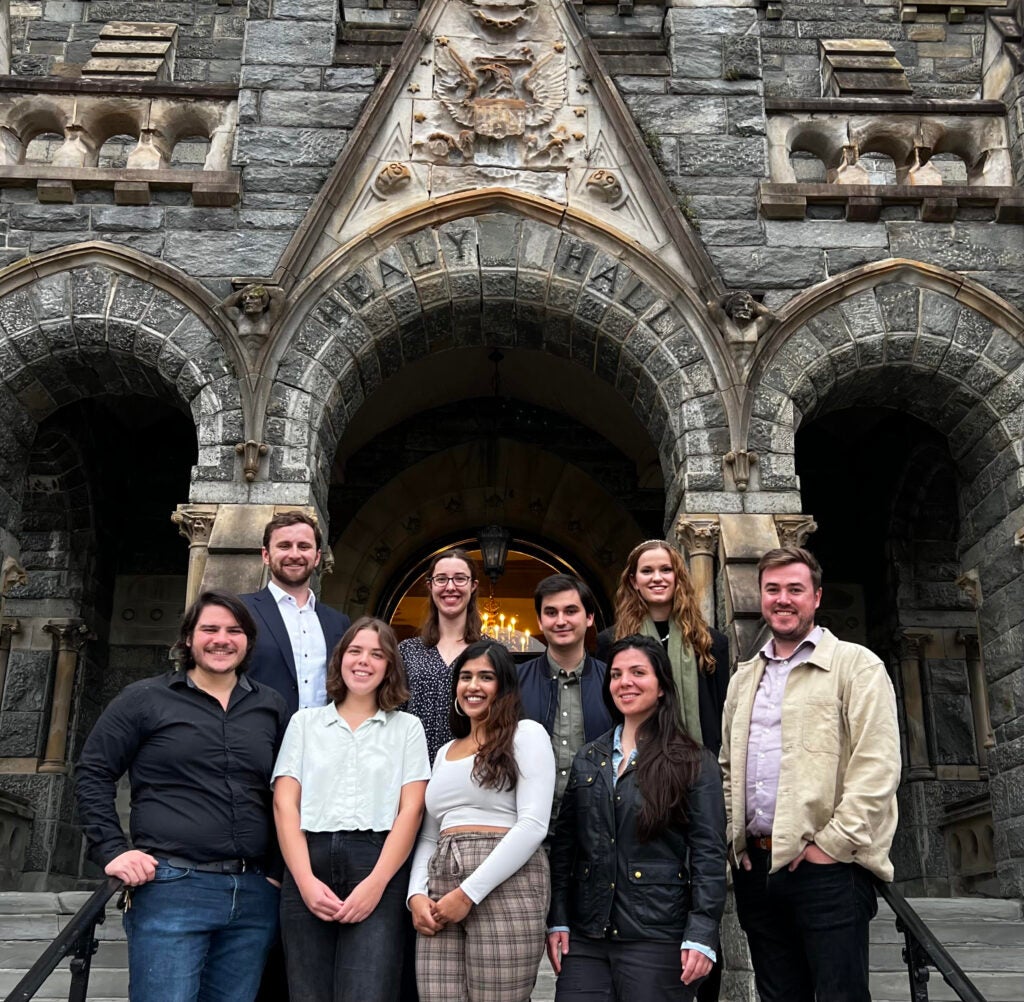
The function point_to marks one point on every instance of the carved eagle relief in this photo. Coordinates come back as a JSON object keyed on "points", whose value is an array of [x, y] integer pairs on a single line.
{"points": [[500, 95]]}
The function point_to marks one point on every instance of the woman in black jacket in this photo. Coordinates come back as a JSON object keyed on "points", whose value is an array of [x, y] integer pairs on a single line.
{"points": [[638, 854]]}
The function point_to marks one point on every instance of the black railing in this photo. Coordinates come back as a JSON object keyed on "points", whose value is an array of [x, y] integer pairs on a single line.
{"points": [[922, 950], [77, 938]]}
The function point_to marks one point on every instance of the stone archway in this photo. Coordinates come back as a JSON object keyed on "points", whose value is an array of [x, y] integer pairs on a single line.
{"points": [[937, 347], [502, 280]]}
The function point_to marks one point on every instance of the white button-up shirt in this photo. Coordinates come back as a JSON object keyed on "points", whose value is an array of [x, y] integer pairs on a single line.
{"points": [[309, 648], [352, 780]]}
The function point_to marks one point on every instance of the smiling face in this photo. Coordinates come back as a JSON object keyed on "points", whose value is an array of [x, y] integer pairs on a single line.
{"points": [[451, 598], [476, 688], [364, 663], [655, 581], [292, 555], [633, 685], [788, 603], [218, 644], [564, 621]]}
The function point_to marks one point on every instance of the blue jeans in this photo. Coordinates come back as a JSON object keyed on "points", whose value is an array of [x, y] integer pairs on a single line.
{"points": [[807, 930], [336, 961], [199, 937]]}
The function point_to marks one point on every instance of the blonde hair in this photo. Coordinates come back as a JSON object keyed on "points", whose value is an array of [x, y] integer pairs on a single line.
{"points": [[631, 610]]}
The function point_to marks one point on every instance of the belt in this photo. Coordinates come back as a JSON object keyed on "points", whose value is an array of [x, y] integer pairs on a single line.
{"points": [[763, 842], [216, 866]]}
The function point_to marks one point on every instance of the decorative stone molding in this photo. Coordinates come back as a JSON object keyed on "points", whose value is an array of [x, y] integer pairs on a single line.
{"points": [[12, 575], [794, 530], [739, 462], [253, 452], [955, 10], [970, 584], [195, 523], [88, 112], [742, 320], [254, 310], [133, 50], [698, 536], [860, 66], [840, 133]]}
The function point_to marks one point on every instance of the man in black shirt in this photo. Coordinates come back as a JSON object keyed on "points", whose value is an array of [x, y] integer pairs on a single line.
{"points": [[199, 746]]}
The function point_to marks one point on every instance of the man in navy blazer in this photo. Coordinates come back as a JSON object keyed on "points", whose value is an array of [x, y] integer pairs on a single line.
{"points": [[562, 688], [297, 634]]}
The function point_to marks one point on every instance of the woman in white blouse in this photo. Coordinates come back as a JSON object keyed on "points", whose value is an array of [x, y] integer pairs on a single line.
{"points": [[480, 884], [348, 800]]}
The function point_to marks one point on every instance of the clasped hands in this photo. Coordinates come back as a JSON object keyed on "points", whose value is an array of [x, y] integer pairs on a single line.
{"points": [[430, 917], [326, 905]]}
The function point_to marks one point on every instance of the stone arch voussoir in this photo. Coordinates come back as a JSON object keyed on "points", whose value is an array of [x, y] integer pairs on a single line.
{"points": [[505, 281], [91, 320]]}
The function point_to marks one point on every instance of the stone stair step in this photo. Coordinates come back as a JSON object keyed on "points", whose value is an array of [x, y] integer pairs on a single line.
{"points": [[893, 987]]}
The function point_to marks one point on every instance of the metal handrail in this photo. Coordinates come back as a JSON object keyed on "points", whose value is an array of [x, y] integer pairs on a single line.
{"points": [[78, 937], [922, 950]]}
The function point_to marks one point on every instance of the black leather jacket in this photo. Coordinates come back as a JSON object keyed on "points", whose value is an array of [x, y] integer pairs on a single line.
{"points": [[606, 883]]}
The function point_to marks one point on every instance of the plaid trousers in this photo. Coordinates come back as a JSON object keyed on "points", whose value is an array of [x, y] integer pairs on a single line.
{"points": [[493, 954]]}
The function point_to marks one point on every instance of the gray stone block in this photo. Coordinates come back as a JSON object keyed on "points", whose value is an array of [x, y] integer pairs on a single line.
{"points": [[308, 147], [280, 43], [732, 21], [670, 116], [259, 77], [780, 267], [19, 735], [305, 10], [720, 156], [311, 108], [350, 78], [225, 254], [696, 56]]}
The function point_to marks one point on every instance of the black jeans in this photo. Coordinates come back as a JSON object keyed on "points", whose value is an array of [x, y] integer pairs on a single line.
{"points": [[334, 961], [603, 970], [807, 930]]}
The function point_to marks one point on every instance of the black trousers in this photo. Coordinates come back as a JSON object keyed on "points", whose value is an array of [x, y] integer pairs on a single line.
{"points": [[807, 929], [603, 970]]}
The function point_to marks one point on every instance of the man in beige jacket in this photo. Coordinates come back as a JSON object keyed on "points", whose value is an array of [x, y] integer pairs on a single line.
{"points": [[811, 762]]}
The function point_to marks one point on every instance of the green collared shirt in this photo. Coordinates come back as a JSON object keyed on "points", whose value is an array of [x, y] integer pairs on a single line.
{"points": [[567, 734]]}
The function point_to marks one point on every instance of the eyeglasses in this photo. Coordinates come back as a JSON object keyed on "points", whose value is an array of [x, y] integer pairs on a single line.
{"points": [[441, 580]]}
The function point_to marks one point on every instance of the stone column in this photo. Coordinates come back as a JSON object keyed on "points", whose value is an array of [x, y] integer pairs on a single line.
{"points": [[8, 628], [71, 635], [913, 665], [983, 736], [5, 37], [195, 523], [698, 535]]}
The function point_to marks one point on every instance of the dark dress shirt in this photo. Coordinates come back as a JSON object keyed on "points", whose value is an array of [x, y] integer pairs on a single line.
{"points": [[200, 774]]}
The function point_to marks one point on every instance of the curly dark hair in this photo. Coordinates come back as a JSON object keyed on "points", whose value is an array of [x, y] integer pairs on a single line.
{"points": [[668, 759], [495, 765], [393, 691]]}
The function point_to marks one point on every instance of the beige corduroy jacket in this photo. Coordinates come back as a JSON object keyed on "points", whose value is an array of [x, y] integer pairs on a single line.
{"points": [[840, 757]]}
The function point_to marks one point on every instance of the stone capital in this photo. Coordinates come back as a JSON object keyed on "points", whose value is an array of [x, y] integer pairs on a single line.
{"points": [[8, 627], [71, 634], [698, 536], [794, 530], [911, 643], [194, 524]]}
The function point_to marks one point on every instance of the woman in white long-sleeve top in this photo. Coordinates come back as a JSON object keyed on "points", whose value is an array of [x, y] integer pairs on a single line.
{"points": [[480, 885]]}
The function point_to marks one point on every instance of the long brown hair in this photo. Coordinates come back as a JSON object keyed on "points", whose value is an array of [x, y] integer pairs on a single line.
{"points": [[668, 760], [495, 764], [430, 631], [631, 609], [393, 690]]}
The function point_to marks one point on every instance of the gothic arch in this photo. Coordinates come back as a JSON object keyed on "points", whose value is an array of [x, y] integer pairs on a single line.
{"points": [[510, 272], [95, 319]]}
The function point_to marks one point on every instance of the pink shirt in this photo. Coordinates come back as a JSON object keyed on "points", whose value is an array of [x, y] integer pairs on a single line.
{"points": [[764, 747]]}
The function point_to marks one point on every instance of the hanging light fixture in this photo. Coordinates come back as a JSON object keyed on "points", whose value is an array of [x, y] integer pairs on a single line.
{"points": [[494, 540]]}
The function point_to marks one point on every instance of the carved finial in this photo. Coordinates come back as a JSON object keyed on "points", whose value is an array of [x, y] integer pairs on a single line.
{"points": [[740, 462], [12, 575], [252, 451]]}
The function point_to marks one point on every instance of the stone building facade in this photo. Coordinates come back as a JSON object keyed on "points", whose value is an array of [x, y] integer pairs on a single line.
{"points": [[731, 270]]}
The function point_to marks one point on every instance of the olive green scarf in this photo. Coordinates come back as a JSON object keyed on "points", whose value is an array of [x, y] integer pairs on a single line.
{"points": [[684, 674]]}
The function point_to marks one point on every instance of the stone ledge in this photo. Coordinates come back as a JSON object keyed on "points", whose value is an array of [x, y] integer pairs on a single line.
{"points": [[864, 203], [81, 85], [883, 105], [131, 186]]}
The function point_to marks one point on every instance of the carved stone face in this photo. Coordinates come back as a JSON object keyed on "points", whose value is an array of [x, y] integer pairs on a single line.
{"points": [[254, 300], [741, 307]]}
